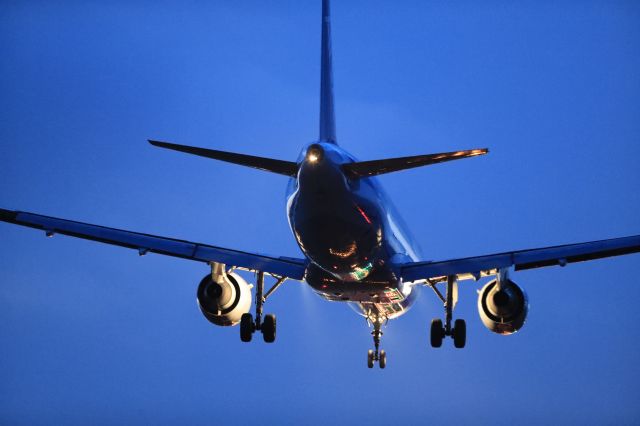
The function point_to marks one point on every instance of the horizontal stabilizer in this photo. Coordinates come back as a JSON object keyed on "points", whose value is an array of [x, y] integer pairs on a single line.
{"points": [[378, 167], [288, 168]]}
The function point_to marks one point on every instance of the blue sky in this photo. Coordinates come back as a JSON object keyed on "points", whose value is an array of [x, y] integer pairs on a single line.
{"points": [[92, 333]]}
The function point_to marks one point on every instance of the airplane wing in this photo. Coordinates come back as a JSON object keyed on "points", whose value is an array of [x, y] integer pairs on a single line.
{"points": [[482, 266], [144, 243]]}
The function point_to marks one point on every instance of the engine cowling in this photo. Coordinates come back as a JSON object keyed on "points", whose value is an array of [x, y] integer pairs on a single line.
{"points": [[503, 311], [223, 298]]}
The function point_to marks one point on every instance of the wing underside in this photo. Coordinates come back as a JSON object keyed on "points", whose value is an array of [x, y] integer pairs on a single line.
{"points": [[146, 243], [488, 265]]}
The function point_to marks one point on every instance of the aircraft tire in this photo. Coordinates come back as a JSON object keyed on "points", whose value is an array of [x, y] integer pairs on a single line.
{"points": [[459, 333], [269, 328], [437, 333], [370, 358], [382, 362], [246, 327]]}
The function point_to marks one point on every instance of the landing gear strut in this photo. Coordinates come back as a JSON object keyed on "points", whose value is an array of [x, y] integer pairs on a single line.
{"points": [[379, 355], [459, 330], [267, 326]]}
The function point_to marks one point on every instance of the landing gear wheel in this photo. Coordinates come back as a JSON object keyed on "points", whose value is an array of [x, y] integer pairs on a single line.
{"points": [[268, 328], [370, 358], [382, 362], [437, 333], [246, 327], [459, 333]]}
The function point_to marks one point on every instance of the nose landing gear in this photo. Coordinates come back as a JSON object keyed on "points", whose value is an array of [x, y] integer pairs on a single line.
{"points": [[378, 355]]}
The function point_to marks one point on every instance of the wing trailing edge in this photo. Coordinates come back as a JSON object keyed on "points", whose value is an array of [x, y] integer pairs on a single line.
{"points": [[487, 265], [146, 243]]}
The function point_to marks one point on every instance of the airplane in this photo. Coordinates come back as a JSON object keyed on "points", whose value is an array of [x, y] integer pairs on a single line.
{"points": [[355, 248]]}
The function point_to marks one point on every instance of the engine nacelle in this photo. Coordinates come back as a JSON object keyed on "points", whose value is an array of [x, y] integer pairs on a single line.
{"points": [[503, 311], [223, 298]]}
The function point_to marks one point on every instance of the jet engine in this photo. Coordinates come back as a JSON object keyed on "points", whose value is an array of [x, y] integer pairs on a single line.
{"points": [[222, 297], [503, 308]]}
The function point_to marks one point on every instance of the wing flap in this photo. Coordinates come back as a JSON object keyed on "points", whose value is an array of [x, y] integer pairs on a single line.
{"points": [[283, 266], [478, 266]]}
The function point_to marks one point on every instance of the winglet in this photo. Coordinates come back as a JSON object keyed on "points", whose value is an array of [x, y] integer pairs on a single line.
{"points": [[377, 167]]}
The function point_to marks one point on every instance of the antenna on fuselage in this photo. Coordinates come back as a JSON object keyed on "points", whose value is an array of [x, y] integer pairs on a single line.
{"points": [[327, 113]]}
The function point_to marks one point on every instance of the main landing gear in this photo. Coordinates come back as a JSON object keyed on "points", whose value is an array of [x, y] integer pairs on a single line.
{"points": [[379, 355], [267, 326], [459, 330]]}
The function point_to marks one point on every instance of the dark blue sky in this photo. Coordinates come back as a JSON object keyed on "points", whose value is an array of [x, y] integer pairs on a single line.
{"points": [[94, 334]]}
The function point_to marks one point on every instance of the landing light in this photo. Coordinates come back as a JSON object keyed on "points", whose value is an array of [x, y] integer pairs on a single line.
{"points": [[314, 153]]}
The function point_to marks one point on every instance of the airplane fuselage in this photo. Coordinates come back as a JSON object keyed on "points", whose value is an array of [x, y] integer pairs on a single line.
{"points": [[350, 232]]}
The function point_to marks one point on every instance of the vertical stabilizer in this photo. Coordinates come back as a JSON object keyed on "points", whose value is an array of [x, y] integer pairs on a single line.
{"points": [[327, 114]]}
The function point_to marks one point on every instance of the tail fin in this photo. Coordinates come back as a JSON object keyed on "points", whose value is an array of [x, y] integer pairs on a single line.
{"points": [[327, 113]]}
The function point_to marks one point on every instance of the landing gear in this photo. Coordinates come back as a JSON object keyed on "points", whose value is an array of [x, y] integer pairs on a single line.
{"points": [[377, 355], [268, 327], [459, 331]]}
